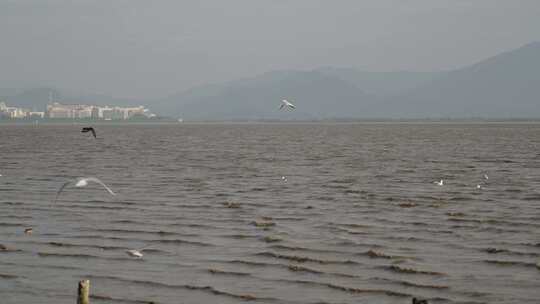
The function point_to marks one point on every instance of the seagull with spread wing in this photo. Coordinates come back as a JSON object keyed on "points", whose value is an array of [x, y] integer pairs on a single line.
{"points": [[89, 129], [286, 103], [82, 182]]}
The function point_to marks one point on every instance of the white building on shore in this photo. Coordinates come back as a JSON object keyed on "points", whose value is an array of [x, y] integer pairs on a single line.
{"points": [[57, 110], [16, 112]]}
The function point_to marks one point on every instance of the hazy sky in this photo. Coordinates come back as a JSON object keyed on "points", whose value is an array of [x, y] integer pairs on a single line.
{"points": [[137, 48]]}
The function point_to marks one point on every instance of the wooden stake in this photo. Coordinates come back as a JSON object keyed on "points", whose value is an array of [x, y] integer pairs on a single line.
{"points": [[84, 292]]}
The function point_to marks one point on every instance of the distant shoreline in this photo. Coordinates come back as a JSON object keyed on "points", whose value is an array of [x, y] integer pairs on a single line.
{"points": [[217, 122], [68, 121]]}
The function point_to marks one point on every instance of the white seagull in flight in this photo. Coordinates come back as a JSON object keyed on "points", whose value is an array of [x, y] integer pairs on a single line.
{"points": [[285, 103], [82, 182], [440, 183]]}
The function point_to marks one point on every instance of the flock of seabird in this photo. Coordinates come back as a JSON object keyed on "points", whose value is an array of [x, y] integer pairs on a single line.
{"points": [[137, 253], [84, 181], [478, 186]]}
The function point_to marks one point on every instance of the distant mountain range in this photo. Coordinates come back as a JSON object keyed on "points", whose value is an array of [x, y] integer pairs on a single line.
{"points": [[382, 84], [315, 94], [503, 86], [506, 85], [325, 93]]}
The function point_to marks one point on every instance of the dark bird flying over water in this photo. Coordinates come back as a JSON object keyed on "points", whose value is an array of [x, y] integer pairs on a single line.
{"points": [[89, 129]]}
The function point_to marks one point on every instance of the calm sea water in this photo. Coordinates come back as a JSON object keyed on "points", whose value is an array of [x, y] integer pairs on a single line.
{"points": [[357, 218]]}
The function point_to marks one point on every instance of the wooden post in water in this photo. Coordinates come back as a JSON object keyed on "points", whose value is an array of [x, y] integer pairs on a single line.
{"points": [[83, 296]]}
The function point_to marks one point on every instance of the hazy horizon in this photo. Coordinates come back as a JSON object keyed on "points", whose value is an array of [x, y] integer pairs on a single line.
{"points": [[139, 50]]}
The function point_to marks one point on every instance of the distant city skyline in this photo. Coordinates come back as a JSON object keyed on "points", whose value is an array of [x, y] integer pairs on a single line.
{"points": [[56, 110], [136, 49]]}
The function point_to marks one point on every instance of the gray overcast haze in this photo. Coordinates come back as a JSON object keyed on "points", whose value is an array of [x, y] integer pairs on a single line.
{"points": [[142, 49]]}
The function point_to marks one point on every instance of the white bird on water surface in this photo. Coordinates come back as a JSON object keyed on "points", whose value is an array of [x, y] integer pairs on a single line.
{"points": [[82, 182], [486, 177], [440, 183], [286, 103], [136, 253]]}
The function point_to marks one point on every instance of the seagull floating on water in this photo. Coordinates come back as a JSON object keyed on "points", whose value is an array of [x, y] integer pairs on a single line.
{"points": [[136, 253], [89, 129], [478, 187], [284, 178], [28, 230], [440, 183], [486, 177], [286, 103], [83, 182]]}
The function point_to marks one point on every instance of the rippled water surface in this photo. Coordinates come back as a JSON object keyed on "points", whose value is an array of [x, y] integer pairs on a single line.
{"points": [[269, 213]]}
